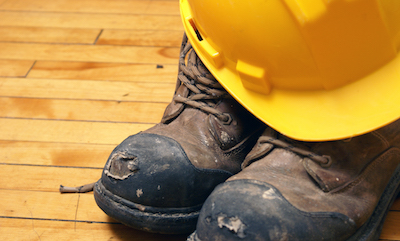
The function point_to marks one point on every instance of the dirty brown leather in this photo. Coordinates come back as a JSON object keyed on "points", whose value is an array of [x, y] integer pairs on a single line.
{"points": [[294, 190], [359, 171], [209, 142], [158, 179]]}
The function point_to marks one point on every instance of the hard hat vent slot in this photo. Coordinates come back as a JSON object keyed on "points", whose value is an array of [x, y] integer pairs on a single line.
{"points": [[199, 37]]}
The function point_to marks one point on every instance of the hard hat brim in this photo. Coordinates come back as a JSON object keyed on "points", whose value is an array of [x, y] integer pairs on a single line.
{"points": [[319, 115]]}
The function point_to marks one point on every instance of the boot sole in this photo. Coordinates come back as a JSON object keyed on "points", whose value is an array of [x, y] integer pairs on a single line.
{"points": [[149, 219], [372, 229]]}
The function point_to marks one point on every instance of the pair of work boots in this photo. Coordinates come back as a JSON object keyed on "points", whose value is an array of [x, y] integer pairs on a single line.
{"points": [[211, 162]]}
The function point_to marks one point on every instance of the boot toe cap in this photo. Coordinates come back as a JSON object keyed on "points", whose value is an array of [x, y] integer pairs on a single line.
{"points": [[253, 210], [154, 170]]}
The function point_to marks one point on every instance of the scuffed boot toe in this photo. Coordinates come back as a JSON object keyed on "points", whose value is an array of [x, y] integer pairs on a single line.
{"points": [[148, 180], [157, 180], [253, 210], [293, 190]]}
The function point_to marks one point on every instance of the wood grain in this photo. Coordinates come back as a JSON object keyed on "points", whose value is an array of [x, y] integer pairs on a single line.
{"points": [[67, 131], [89, 53], [90, 20], [54, 153], [50, 230], [82, 110], [15, 68], [141, 37], [143, 7], [77, 77], [391, 229], [150, 73], [87, 90], [46, 179], [48, 35]]}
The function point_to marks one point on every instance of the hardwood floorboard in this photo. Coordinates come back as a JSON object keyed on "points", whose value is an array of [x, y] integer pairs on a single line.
{"points": [[141, 37], [67, 131], [82, 110], [150, 73], [48, 35], [50, 230], [51, 205], [54, 153], [77, 77], [15, 67], [45, 205], [90, 20], [87, 90], [89, 53], [46, 178], [391, 230], [143, 7], [396, 205]]}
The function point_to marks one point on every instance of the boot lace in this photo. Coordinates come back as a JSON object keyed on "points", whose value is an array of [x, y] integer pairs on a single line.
{"points": [[205, 89], [322, 160], [205, 92]]}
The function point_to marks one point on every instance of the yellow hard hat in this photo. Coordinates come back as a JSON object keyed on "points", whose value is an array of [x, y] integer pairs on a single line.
{"points": [[314, 70]]}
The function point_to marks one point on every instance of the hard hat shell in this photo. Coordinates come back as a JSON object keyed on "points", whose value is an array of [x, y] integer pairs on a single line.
{"points": [[314, 70]]}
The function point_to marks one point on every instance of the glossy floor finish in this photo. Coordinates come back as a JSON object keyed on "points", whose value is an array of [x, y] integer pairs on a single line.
{"points": [[76, 78]]}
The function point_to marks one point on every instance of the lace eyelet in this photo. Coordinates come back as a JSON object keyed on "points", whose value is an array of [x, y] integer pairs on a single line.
{"points": [[328, 163], [226, 118]]}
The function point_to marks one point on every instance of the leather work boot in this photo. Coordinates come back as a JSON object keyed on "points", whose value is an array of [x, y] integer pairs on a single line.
{"points": [[158, 179], [292, 190]]}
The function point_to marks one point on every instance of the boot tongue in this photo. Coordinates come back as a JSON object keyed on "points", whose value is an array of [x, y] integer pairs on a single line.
{"points": [[349, 159], [261, 148], [175, 108]]}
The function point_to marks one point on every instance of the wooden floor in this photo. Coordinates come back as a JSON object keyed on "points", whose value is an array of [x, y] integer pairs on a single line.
{"points": [[76, 78]]}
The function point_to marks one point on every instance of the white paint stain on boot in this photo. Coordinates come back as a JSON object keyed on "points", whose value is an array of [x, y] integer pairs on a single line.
{"points": [[270, 194], [234, 224], [139, 192]]}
